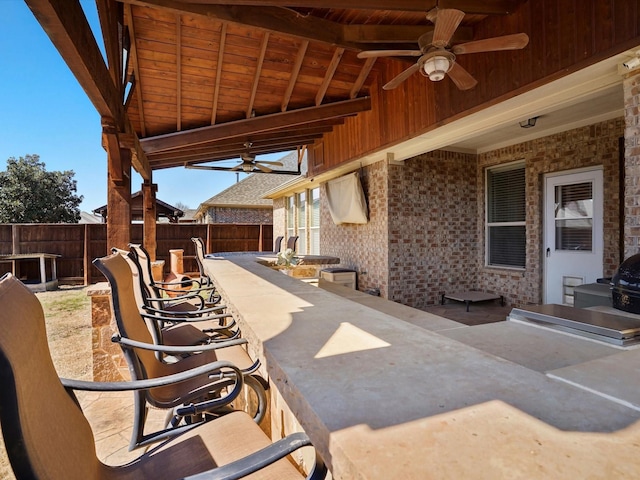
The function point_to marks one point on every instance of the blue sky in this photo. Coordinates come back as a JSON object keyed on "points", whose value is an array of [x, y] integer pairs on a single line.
{"points": [[44, 111]]}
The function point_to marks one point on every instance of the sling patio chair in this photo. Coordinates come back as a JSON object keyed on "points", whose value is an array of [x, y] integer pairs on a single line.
{"points": [[47, 436], [292, 241], [189, 401], [277, 244], [175, 291], [176, 321], [201, 254]]}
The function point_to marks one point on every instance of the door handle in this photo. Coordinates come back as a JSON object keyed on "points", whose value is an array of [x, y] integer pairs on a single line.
{"points": [[548, 252]]}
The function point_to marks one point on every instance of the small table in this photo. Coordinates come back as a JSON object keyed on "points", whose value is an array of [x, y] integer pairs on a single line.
{"points": [[470, 297], [44, 283]]}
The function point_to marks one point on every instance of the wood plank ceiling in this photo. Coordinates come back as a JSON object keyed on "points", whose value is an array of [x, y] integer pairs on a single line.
{"points": [[211, 81]]}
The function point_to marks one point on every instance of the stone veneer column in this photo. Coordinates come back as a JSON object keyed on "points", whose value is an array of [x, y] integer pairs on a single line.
{"points": [[109, 364], [632, 164]]}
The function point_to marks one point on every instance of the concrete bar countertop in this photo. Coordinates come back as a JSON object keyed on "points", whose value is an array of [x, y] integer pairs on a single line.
{"points": [[384, 398]]}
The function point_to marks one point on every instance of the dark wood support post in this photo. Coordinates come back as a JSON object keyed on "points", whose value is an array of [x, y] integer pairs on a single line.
{"points": [[118, 188], [150, 218]]}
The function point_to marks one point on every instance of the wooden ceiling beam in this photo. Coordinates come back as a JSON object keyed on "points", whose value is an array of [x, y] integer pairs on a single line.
{"points": [[256, 77], [226, 153], [389, 34], [331, 70], [263, 123], [67, 27], [136, 68], [362, 77], [407, 5], [216, 89], [295, 72], [69, 30], [111, 14], [178, 73], [485, 7], [275, 19], [239, 142]]}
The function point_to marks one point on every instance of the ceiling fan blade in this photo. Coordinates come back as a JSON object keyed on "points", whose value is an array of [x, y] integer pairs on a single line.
{"points": [[462, 78], [264, 168], [402, 77], [506, 42], [389, 53], [447, 22], [237, 167], [267, 162]]}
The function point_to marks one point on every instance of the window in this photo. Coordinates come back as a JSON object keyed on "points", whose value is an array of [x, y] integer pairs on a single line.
{"points": [[303, 219], [290, 219], [506, 211], [301, 201], [314, 222]]}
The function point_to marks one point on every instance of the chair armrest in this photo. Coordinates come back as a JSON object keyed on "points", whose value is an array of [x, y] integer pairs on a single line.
{"points": [[262, 458], [193, 313], [125, 342], [154, 382], [179, 319]]}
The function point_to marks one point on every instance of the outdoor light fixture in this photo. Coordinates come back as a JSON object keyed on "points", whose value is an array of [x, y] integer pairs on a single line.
{"points": [[436, 68], [436, 64], [531, 122], [632, 63]]}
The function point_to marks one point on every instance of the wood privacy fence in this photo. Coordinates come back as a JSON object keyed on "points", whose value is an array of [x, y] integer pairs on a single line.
{"points": [[79, 244]]}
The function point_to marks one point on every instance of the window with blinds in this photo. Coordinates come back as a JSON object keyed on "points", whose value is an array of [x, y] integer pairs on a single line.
{"points": [[303, 219], [506, 214]]}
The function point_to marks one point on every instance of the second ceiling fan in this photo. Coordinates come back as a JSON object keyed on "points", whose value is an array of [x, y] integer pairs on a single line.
{"points": [[438, 57]]}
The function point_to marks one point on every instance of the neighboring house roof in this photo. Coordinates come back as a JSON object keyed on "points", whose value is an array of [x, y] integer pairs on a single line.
{"points": [[250, 191], [163, 209], [87, 217]]}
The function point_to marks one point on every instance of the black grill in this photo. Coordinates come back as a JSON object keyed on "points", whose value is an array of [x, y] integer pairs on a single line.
{"points": [[625, 285]]}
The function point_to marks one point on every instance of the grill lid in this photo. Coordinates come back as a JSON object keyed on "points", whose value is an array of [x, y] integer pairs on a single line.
{"points": [[625, 291]]}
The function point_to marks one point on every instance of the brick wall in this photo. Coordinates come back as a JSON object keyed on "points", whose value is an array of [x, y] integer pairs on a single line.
{"points": [[362, 247], [425, 234], [578, 148], [632, 164], [239, 215], [432, 227], [279, 216]]}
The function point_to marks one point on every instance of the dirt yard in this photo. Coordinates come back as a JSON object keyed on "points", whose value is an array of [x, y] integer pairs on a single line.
{"points": [[68, 320]]}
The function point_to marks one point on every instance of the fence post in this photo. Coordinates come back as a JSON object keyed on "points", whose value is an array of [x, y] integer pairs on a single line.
{"points": [[86, 262], [15, 239]]}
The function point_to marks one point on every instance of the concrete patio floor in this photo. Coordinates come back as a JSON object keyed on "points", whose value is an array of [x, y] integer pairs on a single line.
{"points": [[570, 360]]}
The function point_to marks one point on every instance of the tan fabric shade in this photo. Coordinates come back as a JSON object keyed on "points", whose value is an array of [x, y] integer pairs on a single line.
{"points": [[347, 203]]}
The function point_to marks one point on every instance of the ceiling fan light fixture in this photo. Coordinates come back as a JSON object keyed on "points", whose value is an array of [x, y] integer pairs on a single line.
{"points": [[247, 167], [437, 67]]}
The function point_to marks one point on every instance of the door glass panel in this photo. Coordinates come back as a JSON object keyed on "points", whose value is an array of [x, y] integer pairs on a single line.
{"points": [[574, 217]]}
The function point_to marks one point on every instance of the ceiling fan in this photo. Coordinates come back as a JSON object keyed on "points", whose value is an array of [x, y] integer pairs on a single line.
{"points": [[248, 164], [438, 57]]}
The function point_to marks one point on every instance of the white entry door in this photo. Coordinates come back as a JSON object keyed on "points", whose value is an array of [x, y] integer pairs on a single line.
{"points": [[573, 233]]}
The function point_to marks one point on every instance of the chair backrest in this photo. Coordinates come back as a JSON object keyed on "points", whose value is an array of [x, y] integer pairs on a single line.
{"points": [[277, 244], [142, 292], [142, 258], [142, 363], [45, 431], [291, 242], [200, 252]]}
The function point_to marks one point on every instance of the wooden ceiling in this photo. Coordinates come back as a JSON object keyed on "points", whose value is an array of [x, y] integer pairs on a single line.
{"points": [[208, 78]]}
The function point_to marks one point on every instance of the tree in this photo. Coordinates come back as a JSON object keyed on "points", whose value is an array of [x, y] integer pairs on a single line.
{"points": [[30, 194]]}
